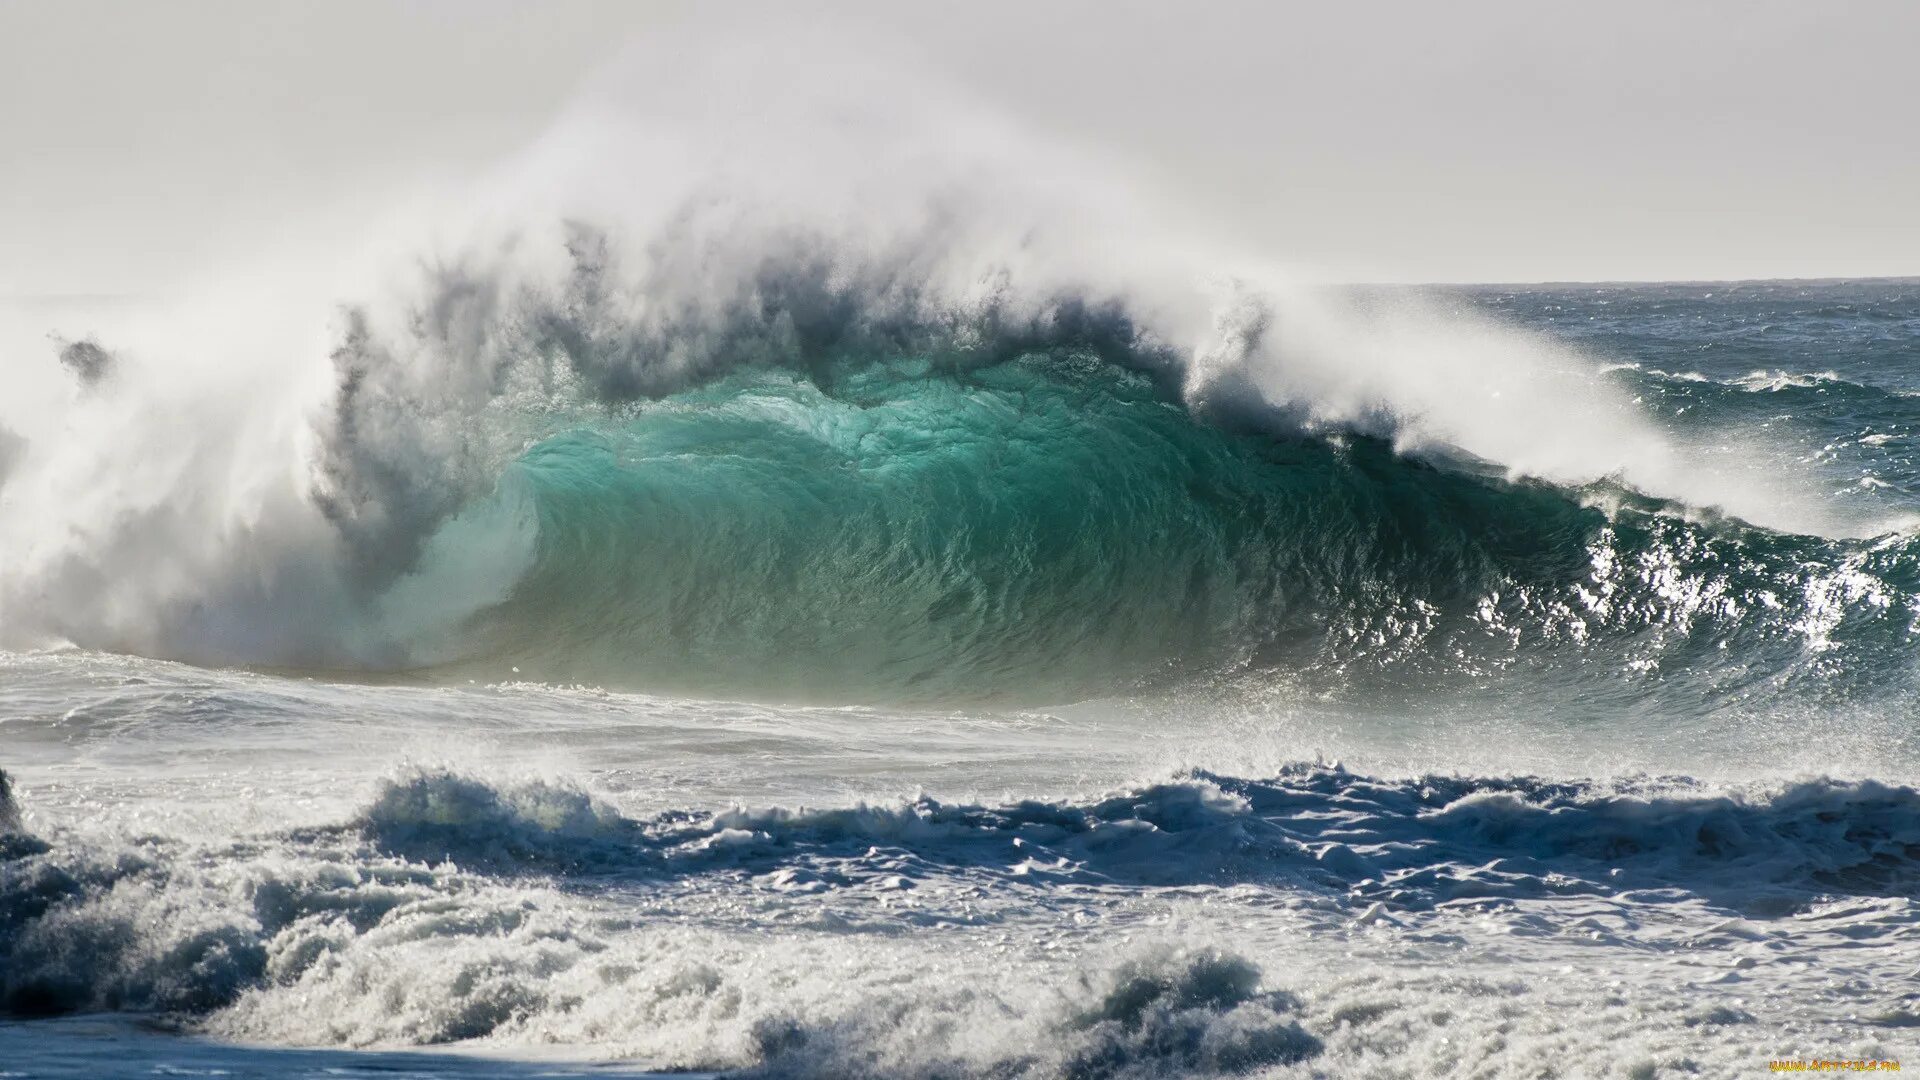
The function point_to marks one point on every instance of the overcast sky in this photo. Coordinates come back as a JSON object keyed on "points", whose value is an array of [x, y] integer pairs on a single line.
{"points": [[1487, 140]]}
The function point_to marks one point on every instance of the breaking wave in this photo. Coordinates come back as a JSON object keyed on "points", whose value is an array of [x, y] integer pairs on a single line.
{"points": [[883, 505], [935, 429]]}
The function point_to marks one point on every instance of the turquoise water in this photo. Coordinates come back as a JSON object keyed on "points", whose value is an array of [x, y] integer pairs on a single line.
{"points": [[1056, 524], [850, 694]]}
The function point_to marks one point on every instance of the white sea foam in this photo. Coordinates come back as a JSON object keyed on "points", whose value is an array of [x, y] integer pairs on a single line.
{"points": [[1318, 924], [285, 432]]}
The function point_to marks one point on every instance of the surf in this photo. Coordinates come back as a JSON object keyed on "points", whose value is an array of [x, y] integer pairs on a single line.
{"points": [[924, 421]]}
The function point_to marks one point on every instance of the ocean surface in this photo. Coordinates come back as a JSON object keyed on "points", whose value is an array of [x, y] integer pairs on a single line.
{"points": [[811, 674]]}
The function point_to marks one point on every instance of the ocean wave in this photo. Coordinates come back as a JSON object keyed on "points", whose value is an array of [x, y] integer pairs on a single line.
{"points": [[1768, 381], [1167, 1013], [1410, 843], [451, 908], [322, 945], [1026, 500], [1029, 503], [1055, 525], [724, 443]]}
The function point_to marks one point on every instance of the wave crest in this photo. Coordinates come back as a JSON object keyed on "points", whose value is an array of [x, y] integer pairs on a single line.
{"points": [[470, 463]]}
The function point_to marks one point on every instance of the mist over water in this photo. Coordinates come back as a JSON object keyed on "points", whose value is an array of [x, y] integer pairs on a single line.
{"points": [[350, 472], [796, 576]]}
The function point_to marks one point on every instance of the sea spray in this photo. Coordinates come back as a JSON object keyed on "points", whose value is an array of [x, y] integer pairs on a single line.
{"points": [[286, 468]]}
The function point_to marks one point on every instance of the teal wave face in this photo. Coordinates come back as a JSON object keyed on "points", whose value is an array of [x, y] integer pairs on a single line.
{"points": [[1057, 526], [1047, 527], [1033, 528]]}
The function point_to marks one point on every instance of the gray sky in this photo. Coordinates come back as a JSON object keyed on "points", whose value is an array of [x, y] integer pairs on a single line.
{"points": [[1493, 140]]}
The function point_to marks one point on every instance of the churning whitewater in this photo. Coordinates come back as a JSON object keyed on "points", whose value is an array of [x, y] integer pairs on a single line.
{"points": [[922, 619]]}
